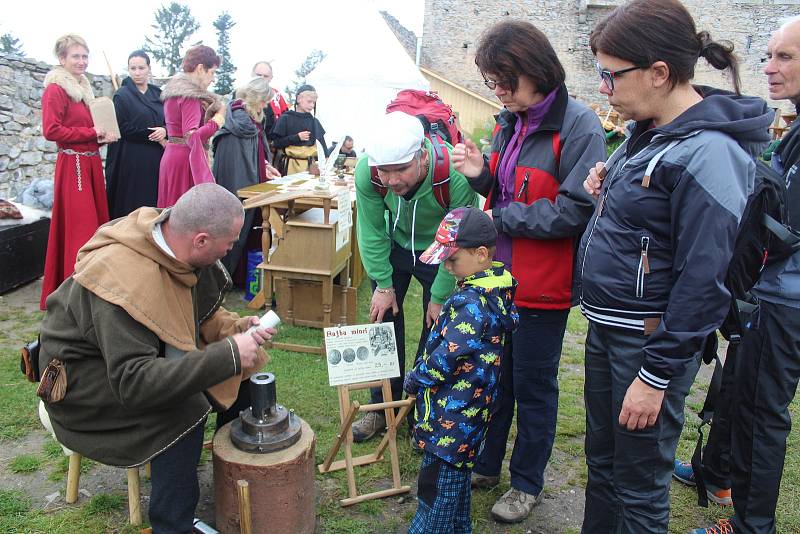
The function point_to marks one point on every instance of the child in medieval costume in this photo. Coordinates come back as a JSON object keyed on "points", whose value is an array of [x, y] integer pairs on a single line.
{"points": [[296, 133]]}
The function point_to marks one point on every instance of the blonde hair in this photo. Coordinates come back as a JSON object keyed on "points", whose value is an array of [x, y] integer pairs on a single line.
{"points": [[254, 95], [65, 41]]}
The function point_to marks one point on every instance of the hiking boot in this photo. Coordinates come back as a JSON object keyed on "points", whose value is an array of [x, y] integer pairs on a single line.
{"points": [[514, 506], [368, 426], [723, 527], [683, 473], [480, 481]]}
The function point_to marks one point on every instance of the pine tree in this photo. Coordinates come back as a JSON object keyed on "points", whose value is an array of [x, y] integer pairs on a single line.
{"points": [[309, 64], [10, 45], [225, 79], [173, 26]]}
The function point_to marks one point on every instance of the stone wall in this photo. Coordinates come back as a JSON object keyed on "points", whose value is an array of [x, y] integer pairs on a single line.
{"points": [[452, 28], [24, 154], [403, 34]]}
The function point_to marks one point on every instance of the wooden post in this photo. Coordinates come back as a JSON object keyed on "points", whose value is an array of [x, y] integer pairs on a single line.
{"points": [[344, 400], [245, 517], [134, 505], [73, 477]]}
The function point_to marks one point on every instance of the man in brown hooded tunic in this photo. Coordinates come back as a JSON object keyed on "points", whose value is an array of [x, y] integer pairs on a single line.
{"points": [[141, 333]]}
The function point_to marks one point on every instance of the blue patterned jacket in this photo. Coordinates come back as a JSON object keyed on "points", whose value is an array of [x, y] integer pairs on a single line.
{"points": [[456, 378]]}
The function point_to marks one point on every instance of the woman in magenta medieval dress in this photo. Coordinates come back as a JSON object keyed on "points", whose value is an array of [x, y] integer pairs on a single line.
{"points": [[193, 115]]}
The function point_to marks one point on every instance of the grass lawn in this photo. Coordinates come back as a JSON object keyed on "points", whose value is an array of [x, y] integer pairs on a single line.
{"points": [[302, 386]]}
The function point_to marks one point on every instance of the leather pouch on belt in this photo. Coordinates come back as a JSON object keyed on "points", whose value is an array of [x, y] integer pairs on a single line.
{"points": [[53, 385]]}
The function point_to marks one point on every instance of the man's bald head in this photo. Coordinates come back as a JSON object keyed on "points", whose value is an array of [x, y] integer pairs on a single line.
{"points": [[262, 69], [207, 208], [783, 62]]}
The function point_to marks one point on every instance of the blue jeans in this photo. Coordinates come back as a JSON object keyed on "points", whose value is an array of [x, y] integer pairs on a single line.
{"points": [[174, 487], [529, 377]]}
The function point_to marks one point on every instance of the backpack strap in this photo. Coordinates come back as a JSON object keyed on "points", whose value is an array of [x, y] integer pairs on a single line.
{"points": [[787, 237], [706, 415], [441, 171]]}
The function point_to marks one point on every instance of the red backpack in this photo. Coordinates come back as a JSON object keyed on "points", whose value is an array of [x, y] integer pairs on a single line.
{"points": [[439, 123]]}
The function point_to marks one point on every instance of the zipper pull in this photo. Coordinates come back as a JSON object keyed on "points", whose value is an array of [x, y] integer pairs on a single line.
{"points": [[524, 185], [645, 261]]}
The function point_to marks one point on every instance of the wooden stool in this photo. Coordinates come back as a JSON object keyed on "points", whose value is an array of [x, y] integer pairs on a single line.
{"points": [[73, 477]]}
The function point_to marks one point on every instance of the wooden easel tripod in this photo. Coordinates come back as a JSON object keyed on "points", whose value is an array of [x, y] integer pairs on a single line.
{"points": [[347, 413]]}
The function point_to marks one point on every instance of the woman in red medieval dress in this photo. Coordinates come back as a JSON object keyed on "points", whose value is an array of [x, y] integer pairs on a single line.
{"points": [[193, 115], [79, 203]]}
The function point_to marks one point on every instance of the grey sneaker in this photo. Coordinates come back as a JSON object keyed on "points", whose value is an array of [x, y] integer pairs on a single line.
{"points": [[480, 481], [368, 426], [514, 506]]}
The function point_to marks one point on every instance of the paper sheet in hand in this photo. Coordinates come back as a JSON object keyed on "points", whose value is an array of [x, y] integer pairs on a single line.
{"points": [[360, 353], [103, 115]]}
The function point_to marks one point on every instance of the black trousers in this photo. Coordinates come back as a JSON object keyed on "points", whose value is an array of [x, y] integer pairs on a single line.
{"points": [[175, 490], [767, 373], [403, 268], [529, 379]]}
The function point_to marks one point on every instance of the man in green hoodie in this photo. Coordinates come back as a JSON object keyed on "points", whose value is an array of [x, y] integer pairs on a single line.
{"points": [[403, 186]]}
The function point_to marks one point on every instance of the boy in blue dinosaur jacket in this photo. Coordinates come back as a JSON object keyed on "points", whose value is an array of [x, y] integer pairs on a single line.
{"points": [[456, 378]]}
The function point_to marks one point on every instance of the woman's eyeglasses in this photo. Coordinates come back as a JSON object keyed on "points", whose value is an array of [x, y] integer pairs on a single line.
{"points": [[608, 76], [492, 84]]}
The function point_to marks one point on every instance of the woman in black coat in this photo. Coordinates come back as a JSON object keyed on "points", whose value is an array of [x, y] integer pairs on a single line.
{"points": [[132, 163]]}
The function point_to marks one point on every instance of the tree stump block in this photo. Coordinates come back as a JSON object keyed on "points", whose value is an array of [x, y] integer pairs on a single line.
{"points": [[281, 485]]}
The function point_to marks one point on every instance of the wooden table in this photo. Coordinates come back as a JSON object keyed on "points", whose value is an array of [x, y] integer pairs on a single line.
{"points": [[356, 271]]}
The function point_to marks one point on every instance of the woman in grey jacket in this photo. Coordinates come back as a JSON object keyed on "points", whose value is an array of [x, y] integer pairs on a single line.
{"points": [[241, 153], [653, 259]]}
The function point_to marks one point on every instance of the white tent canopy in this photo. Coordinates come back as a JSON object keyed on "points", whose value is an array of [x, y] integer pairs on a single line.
{"points": [[363, 71]]}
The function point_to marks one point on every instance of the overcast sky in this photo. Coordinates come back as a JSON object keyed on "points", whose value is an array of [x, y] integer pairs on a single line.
{"points": [[285, 35]]}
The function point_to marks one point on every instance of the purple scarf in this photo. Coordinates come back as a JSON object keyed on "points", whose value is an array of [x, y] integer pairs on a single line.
{"points": [[506, 169]]}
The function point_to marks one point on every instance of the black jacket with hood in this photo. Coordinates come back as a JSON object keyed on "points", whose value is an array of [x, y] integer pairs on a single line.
{"points": [[654, 256]]}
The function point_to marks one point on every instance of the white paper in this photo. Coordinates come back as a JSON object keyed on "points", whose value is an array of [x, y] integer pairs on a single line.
{"points": [[345, 209], [342, 236], [361, 353]]}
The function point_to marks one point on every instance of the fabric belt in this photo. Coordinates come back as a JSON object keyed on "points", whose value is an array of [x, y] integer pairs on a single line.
{"points": [[78, 154]]}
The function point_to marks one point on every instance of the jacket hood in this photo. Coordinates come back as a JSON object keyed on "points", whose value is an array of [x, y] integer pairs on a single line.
{"points": [[238, 122], [498, 287], [123, 265], [744, 118]]}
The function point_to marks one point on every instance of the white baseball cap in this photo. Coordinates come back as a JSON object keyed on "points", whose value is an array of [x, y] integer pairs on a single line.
{"points": [[398, 137]]}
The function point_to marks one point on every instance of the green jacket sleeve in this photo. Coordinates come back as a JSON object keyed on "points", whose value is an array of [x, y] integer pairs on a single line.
{"points": [[461, 194], [374, 242]]}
